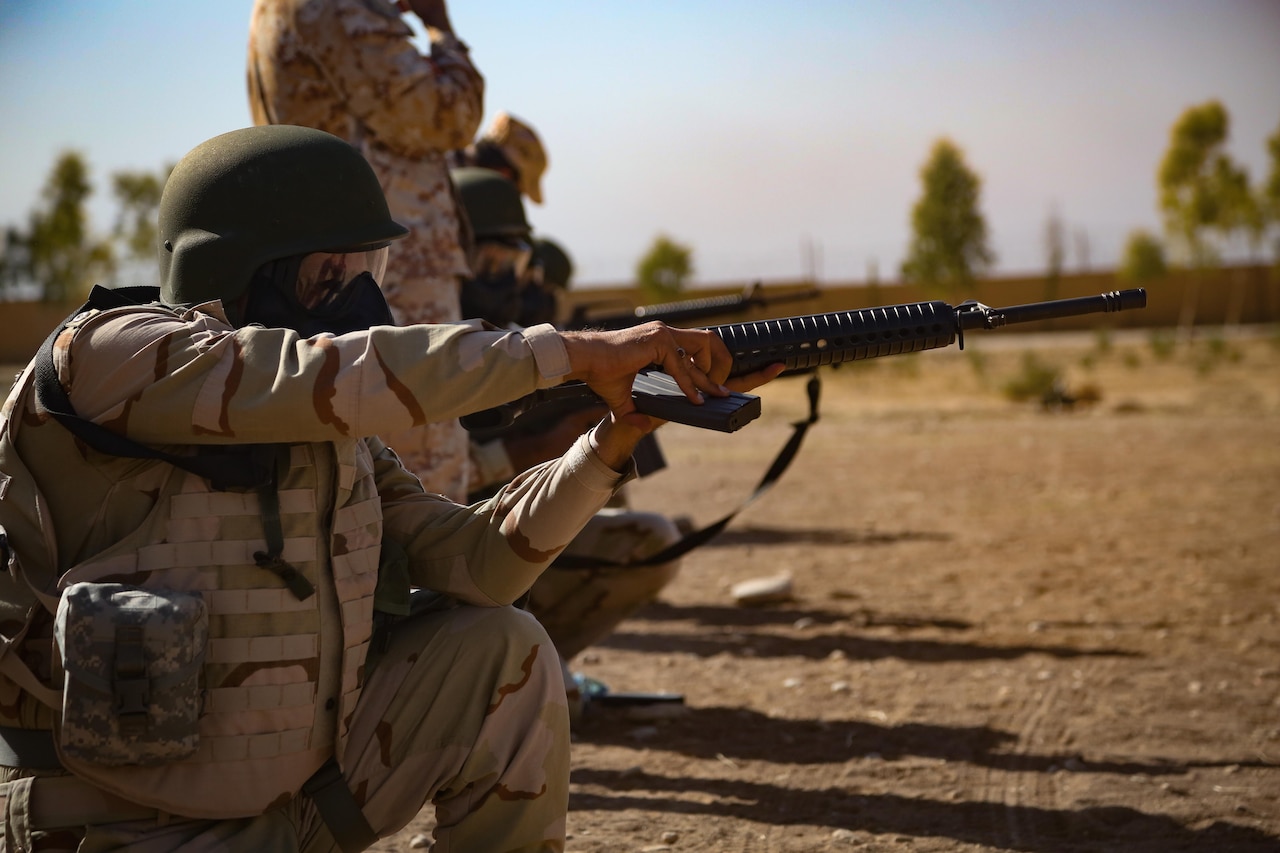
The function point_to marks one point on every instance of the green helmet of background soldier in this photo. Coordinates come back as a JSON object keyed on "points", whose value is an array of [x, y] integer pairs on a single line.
{"points": [[501, 252], [552, 269], [557, 267], [251, 196], [492, 203]]}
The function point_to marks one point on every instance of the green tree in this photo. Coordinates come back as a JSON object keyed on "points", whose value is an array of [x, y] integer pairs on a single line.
{"points": [[1269, 194], [1055, 251], [948, 248], [1143, 257], [1203, 194], [15, 262], [1271, 189], [60, 255], [663, 270], [137, 225]]}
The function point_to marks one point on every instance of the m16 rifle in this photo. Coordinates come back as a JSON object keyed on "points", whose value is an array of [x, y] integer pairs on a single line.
{"points": [[687, 310], [815, 340], [555, 403]]}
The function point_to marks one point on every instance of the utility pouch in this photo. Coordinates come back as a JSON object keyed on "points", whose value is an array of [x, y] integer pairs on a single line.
{"points": [[130, 660]]}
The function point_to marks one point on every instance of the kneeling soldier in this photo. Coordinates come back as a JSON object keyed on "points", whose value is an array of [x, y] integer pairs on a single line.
{"points": [[210, 640]]}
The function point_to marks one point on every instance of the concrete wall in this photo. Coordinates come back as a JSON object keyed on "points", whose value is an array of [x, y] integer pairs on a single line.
{"points": [[1243, 294], [25, 325]]}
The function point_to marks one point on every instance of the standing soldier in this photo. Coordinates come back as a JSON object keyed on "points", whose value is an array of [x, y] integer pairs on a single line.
{"points": [[349, 67]]}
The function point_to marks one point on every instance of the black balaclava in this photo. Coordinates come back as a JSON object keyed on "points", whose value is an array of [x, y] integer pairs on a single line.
{"points": [[273, 302]]}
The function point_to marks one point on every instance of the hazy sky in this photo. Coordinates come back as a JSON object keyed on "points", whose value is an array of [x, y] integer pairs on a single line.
{"points": [[770, 137]]}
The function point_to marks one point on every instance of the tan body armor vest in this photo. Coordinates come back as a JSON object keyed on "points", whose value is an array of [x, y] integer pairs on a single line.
{"points": [[281, 674]]}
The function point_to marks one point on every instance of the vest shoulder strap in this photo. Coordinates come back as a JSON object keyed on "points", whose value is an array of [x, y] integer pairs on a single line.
{"points": [[240, 467]]}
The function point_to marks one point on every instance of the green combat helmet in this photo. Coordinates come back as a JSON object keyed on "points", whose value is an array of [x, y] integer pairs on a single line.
{"points": [[492, 203], [501, 253], [551, 271], [557, 267], [251, 196]]}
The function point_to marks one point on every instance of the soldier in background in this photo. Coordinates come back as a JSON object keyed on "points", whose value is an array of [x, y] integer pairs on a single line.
{"points": [[582, 605], [349, 67], [550, 272], [512, 148]]}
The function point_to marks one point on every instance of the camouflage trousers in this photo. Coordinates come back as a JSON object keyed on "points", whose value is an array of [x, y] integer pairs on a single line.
{"points": [[579, 607], [437, 453], [465, 710]]}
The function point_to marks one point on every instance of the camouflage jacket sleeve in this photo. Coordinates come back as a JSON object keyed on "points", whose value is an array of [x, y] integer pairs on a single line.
{"points": [[491, 552], [170, 378], [411, 103]]}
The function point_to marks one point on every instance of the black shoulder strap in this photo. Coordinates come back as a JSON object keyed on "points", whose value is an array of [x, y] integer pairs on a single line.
{"points": [[244, 468], [247, 466]]}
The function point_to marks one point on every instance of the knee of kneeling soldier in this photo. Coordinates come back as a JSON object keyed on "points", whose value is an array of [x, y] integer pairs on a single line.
{"points": [[509, 632]]}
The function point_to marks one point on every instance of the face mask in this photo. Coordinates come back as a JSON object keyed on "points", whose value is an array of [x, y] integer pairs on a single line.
{"points": [[495, 257], [495, 298], [313, 294], [538, 304]]}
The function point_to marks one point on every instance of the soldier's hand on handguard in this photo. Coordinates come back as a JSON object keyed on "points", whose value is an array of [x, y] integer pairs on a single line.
{"points": [[609, 361]]}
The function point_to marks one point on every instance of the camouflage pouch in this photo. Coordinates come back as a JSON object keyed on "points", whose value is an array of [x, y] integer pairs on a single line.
{"points": [[130, 661]]}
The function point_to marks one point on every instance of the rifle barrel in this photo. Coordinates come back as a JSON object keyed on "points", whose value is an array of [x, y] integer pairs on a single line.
{"points": [[1103, 303], [815, 340]]}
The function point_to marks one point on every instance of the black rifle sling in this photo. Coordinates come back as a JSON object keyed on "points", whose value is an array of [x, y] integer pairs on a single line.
{"points": [[240, 467], [236, 468], [700, 537]]}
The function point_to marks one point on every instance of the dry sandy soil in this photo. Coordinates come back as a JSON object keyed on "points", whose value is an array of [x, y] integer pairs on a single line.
{"points": [[1013, 628]]}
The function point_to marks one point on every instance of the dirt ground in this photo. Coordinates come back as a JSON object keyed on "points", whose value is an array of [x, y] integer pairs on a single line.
{"points": [[1012, 627]]}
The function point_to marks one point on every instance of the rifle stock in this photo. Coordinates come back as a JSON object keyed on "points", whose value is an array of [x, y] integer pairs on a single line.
{"points": [[815, 340]]}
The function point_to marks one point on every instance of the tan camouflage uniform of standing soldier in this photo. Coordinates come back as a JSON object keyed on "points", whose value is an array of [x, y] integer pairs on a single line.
{"points": [[202, 666], [348, 67], [582, 605]]}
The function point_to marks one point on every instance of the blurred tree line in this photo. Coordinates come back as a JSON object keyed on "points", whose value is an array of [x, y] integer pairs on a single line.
{"points": [[59, 253], [1206, 200]]}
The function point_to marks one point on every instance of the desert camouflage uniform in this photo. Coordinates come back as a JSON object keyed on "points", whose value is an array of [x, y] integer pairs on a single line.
{"points": [[466, 707], [581, 606], [348, 67]]}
